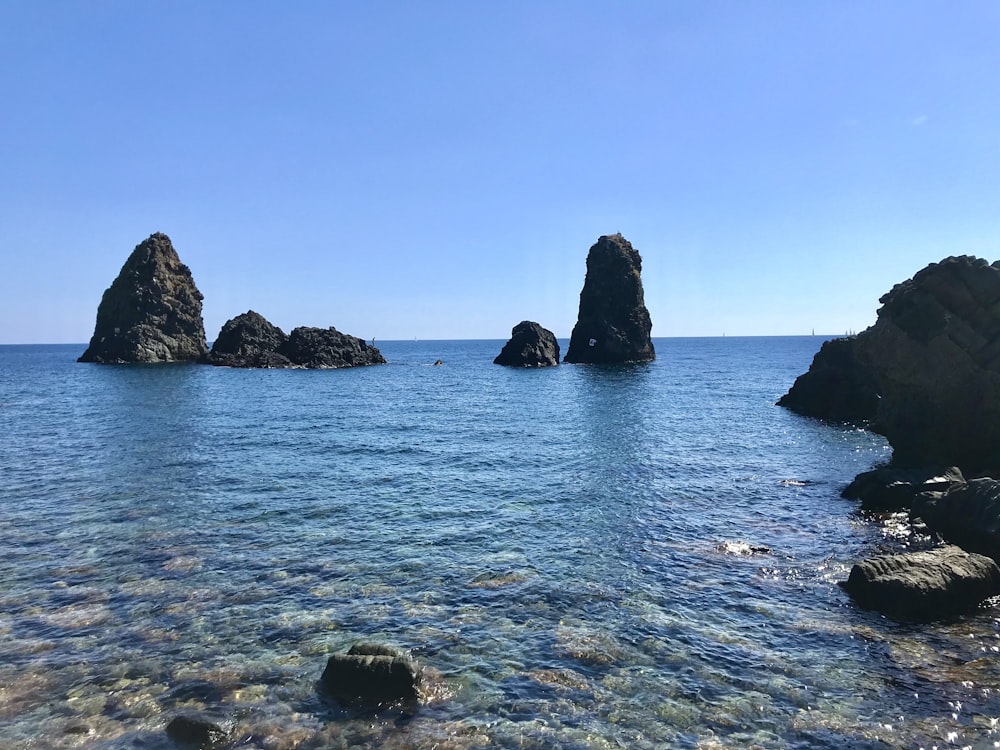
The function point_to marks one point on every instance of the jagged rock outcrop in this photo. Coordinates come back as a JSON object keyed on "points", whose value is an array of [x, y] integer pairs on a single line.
{"points": [[888, 488], [249, 340], [372, 674], [934, 358], [837, 387], [967, 515], [613, 324], [924, 586], [329, 348], [151, 312], [530, 345]]}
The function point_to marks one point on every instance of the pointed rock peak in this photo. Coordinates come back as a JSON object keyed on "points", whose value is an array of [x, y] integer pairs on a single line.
{"points": [[613, 325], [151, 312]]}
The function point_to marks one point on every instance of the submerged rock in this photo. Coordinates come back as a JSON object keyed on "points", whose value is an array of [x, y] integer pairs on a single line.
{"points": [[933, 356], [924, 586], [967, 515], [888, 488], [249, 340], [530, 345], [197, 733], [372, 674], [151, 312], [613, 325], [329, 348]]}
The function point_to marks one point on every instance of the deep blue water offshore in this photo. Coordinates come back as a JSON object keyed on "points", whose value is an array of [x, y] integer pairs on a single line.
{"points": [[563, 549]]}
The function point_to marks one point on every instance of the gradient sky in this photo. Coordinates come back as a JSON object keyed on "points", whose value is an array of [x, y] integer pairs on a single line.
{"points": [[440, 169]]}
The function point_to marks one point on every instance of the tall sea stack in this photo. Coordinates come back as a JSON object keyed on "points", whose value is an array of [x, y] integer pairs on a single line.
{"points": [[151, 312], [613, 325]]}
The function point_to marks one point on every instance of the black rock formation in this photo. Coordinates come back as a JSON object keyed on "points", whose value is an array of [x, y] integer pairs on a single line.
{"points": [[933, 358], [151, 312], [837, 387], [613, 324], [530, 345], [249, 340], [329, 348], [197, 732], [924, 586], [967, 515], [888, 488], [372, 674]]}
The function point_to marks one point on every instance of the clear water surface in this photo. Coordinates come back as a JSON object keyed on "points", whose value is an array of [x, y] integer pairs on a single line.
{"points": [[564, 550]]}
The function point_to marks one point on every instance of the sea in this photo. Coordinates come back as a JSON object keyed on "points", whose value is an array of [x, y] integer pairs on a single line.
{"points": [[642, 556]]}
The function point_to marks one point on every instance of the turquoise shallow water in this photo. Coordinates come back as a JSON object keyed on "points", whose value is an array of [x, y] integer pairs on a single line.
{"points": [[562, 549]]}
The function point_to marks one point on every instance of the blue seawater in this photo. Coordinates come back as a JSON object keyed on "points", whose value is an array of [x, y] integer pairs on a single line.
{"points": [[566, 551]]}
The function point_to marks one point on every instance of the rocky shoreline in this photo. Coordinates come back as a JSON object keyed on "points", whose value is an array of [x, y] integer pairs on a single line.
{"points": [[926, 375]]}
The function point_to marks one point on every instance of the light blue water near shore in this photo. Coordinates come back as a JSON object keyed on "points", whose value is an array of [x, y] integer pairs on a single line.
{"points": [[560, 548]]}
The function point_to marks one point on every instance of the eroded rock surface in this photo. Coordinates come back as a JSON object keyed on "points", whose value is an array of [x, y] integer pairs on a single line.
{"points": [[967, 515], [151, 312], [613, 325], [924, 586], [530, 345]]}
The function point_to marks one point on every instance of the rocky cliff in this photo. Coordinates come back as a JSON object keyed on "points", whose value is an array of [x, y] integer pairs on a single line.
{"points": [[151, 312], [613, 324], [932, 359], [530, 345]]}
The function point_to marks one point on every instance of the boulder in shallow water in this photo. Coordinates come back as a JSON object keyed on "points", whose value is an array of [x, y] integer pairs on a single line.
{"points": [[924, 586], [530, 345], [889, 488], [196, 733], [372, 674], [248, 340], [151, 312], [613, 325]]}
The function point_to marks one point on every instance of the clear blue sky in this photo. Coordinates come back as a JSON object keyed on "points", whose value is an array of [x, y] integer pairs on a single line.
{"points": [[440, 169]]}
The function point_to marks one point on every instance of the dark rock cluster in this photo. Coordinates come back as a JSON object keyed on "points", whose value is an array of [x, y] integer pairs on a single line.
{"points": [[926, 374], [249, 340], [151, 312], [613, 325], [530, 345]]}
